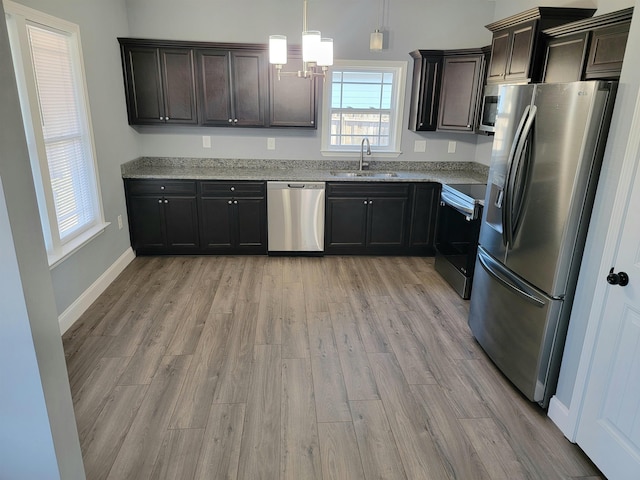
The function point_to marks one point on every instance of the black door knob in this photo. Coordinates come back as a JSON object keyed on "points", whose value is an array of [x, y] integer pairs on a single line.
{"points": [[621, 278]]}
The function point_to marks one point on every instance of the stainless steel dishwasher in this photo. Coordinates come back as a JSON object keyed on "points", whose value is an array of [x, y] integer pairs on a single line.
{"points": [[295, 217]]}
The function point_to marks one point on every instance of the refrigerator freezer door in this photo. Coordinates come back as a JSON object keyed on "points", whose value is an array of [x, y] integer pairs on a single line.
{"points": [[513, 105], [516, 325], [560, 184]]}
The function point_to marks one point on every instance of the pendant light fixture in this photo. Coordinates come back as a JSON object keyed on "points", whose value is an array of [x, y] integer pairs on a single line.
{"points": [[317, 52], [376, 39]]}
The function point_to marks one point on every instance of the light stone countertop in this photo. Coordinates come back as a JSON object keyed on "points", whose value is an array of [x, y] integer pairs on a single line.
{"points": [[301, 170]]}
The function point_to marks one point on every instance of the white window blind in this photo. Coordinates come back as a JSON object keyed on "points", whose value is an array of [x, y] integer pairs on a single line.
{"points": [[363, 100], [61, 114]]}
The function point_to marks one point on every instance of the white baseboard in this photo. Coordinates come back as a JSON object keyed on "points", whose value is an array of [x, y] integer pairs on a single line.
{"points": [[559, 413], [84, 301]]}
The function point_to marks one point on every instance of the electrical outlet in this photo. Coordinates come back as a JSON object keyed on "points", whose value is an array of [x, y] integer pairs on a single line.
{"points": [[271, 143], [206, 141], [119, 222], [452, 147], [420, 146]]}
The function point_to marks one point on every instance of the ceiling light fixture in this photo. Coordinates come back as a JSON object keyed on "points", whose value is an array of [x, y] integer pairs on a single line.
{"points": [[317, 52]]}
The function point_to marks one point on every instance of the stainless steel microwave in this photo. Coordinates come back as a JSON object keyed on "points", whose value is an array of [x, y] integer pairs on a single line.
{"points": [[489, 109]]}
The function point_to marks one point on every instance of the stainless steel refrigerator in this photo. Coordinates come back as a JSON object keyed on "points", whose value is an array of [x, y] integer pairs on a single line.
{"points": [[546, 158]]}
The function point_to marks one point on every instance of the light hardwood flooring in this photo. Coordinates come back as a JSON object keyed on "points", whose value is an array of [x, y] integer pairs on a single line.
{"points": [[298, 368]]}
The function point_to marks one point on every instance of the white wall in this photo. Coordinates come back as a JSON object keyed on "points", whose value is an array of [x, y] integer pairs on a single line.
{"points": [[410, 24], [38, 436], [100, 23]]}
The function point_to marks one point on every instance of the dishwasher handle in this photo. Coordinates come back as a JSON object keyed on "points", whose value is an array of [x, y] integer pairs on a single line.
{"points": [[296, 185]]}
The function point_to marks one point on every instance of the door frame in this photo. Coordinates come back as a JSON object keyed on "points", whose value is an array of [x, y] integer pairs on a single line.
{"points": [[568, 419]]}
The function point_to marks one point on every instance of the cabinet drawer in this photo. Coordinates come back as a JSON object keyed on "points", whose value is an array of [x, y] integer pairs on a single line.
{"points": [[236, 189], [359, 189], [164, 187]]}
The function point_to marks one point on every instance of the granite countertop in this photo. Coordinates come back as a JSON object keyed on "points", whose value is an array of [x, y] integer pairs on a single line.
{"points": [[301, 170]]}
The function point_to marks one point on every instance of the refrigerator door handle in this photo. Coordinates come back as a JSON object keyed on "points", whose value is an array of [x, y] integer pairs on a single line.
{"points": [[505, 189], [516, 166], [494, 269]]}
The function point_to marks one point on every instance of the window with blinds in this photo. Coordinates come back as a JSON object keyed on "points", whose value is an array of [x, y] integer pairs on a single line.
{"points": [[62, 131], [48, 62], [363, 101]]}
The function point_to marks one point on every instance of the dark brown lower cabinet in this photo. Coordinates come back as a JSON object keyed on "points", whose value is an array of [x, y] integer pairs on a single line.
{"points": [[233, 217], [163, 224], [366, 218], [424, 207]]}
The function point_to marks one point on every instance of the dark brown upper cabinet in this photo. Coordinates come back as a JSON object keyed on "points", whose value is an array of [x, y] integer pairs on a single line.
{"points": [[462, 79], [159, 83], [425, 90], [517, 47], [292, 100], [587, 49], [233, 86]]}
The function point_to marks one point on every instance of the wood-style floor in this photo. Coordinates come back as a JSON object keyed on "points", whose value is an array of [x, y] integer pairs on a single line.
{"points": [[298, 368]]}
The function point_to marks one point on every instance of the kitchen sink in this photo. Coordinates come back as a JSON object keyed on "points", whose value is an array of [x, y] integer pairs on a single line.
{"points": [[368, 174]]}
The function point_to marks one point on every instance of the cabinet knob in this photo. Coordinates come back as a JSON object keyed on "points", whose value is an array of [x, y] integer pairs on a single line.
{"points": [[229, 202], [370, 202], [160, 201], [230, 120], [161, 187], [161, 118], [312, 122], [235, 120], [166, 118], [468, 126], [365, 202], [166, 201], [233, 189], [235, 202]]}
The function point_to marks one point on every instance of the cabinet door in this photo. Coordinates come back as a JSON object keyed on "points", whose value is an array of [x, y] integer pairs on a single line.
{"points": [[178, 86], [346, 223], [292, 99], [249, 86], [499, 56], [386, 222], [181, 218], [460, 93], [565, 58], [214, 80], [251, 215], [425, 93], [144, 87], [424, 206], [520, 52], [607, 51], [216, 223], [146, 222]]}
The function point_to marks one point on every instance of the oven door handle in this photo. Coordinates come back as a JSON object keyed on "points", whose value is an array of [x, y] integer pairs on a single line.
{"points": [[453, 202]]}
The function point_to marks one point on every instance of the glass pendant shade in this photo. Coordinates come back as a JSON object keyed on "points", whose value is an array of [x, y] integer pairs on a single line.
{"points": [[278, 49], [310, 45], [375, 41], [325, 52]]}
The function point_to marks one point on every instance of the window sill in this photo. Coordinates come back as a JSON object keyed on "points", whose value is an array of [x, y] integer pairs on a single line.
{"points": [[356, 154], [76, 244]]}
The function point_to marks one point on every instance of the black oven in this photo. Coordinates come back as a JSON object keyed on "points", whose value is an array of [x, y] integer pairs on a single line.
{"points": [[459, 219]]}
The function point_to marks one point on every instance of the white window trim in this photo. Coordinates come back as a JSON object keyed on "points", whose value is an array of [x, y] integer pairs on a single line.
{"points": [[57, 251], [400, 68]]}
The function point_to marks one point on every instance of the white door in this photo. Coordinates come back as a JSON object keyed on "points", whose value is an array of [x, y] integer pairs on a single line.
{"points": [[609, 427]]}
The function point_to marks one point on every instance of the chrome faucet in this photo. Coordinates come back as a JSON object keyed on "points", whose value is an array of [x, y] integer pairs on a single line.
{"points": [[364, 165]]}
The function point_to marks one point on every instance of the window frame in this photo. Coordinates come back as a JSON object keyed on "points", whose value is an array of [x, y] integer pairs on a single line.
{"points": [[17, 18], [399, 70]]}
